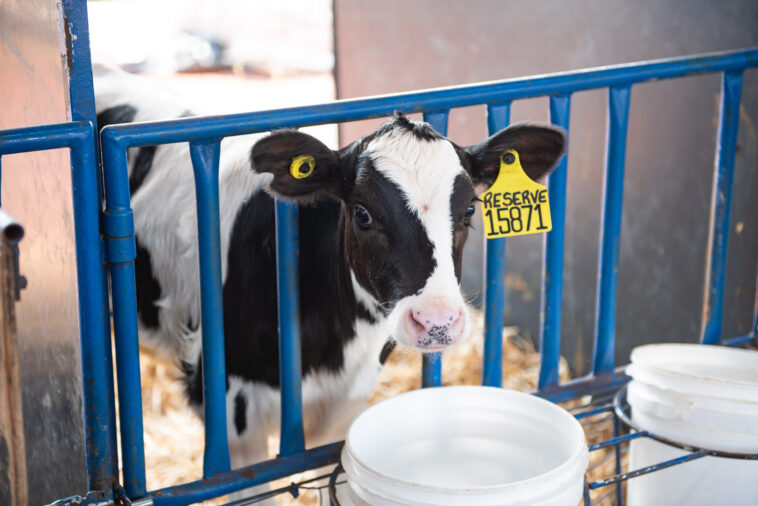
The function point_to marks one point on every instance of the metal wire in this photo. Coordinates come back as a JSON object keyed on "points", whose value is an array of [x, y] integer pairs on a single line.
{"points": [[592, 412], [333, 501], [603, 497], [594, 421], [292, 488]]}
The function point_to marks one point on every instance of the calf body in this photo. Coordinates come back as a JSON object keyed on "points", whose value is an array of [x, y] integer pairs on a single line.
{"points": [[382, 227]]}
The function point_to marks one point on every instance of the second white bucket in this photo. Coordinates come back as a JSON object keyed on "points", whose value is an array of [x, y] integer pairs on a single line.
{"points": [[464, 445], [704, 396]]}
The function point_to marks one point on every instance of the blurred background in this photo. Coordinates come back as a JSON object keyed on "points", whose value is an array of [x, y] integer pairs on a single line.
{"points": [[228, 56], [237, 55]]}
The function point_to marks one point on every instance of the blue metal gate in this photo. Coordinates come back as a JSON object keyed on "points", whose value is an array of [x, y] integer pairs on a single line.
{"points": [[204, 136]]}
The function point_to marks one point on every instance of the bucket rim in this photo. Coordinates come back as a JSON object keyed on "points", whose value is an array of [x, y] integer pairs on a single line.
{"points": [[647, 357], [576, 462]]}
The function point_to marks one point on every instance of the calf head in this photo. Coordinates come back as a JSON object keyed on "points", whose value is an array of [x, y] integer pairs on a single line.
{"points": [[408, 197]]}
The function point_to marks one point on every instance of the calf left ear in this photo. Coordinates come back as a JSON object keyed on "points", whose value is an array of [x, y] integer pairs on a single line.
{"points": [[303, 167], [539, 147]]}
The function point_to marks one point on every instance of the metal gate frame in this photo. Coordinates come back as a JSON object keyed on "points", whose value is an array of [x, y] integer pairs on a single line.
{"points": [[204, 136], [114, 240], [94, 320]]}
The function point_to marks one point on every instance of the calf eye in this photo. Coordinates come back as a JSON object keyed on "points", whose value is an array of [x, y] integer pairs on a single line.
{"points": [[468, 214], [362, 216]]}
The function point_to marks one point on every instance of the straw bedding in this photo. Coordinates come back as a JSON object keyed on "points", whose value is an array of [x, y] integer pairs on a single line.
{"points": [[174, 434]]}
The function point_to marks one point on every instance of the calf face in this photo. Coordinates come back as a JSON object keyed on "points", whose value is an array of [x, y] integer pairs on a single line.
{"points": [[408, 197]]}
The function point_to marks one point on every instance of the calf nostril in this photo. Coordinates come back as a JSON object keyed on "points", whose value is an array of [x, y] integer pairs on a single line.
{"points": [[418, 326]]}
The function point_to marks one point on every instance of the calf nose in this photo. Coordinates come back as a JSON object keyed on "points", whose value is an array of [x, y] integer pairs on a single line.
{"points": [[435, 325]]}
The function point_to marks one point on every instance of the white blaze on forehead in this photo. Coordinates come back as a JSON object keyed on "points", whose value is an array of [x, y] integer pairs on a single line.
{"points": [[425, 171]]}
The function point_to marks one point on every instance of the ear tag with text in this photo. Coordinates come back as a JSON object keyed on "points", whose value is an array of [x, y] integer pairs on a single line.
{"points": [[302, 166], [514, 204]]}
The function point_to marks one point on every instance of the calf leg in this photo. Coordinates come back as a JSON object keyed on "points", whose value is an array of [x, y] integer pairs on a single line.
{"points": [[335, 421], [332, 427], [248, 427], [249, 448]]}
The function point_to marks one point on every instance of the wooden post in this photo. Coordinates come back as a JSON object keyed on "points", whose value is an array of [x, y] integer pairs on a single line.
{"points": [[13, 484]]}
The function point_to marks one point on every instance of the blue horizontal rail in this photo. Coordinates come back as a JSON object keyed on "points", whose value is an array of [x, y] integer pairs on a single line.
{"points": [[239, 479], [94, 324], [190, 129]]}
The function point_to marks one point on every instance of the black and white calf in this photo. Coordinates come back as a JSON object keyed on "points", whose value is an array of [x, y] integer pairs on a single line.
{"points": [[382, 225]]}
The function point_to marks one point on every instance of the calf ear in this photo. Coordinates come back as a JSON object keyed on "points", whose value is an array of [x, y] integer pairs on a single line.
{"points": [[539, 147], [303, 167]]}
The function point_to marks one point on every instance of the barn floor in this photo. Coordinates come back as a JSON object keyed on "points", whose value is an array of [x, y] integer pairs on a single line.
{"points": [[174, 434]]}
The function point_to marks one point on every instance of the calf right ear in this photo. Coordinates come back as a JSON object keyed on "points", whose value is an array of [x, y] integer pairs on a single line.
{"points": [[303, 167], [539, 147]]}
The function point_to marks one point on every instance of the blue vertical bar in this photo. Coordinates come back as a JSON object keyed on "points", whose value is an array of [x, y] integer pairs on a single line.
{"points": [[713, 305], [82, 99], [97, 372], [498, 117], [94, 322], [205, 158], [431, 372], [613, 193], [292, 438], [552, 268], [121, 248]]}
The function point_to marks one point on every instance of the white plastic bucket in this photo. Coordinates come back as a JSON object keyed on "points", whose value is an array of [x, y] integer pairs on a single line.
{"points": [[704, 396], [464, 445]]}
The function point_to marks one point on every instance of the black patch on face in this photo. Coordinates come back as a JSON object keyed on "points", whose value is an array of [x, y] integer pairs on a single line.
{"points": [[148, 288], [141, 168], [240, 418], [119, 114], [463, 194], [393, 258], [387, 349]]}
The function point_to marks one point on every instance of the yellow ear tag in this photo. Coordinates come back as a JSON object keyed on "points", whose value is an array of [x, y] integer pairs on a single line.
{"points": [[302, 166], [514, 204]]}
